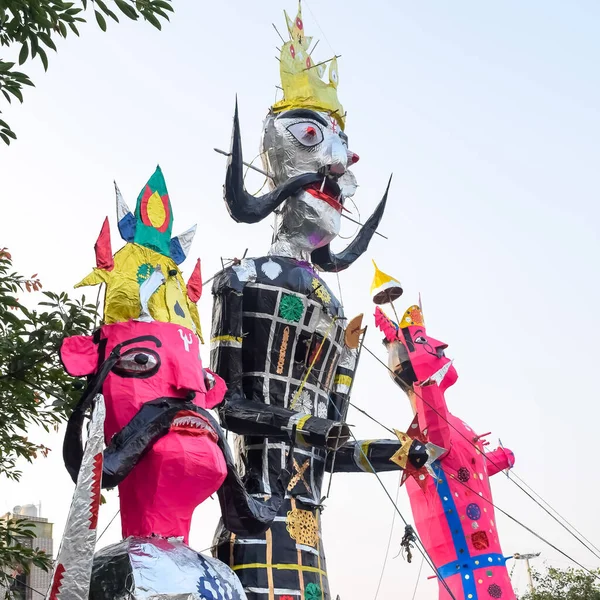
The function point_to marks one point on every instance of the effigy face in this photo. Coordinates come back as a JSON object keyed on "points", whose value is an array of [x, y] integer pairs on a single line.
{"points": [[302, 141], [157, 360], [413, 355]]}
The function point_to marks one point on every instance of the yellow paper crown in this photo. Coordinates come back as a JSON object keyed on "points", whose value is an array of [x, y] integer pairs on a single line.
{"points": [[413, 317], [385, 288], [134, 264], [301, 79], [143, 280]]}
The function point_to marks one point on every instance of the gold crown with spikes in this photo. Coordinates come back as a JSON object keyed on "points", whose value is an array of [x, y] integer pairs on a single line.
{"points": [[302, 80]]}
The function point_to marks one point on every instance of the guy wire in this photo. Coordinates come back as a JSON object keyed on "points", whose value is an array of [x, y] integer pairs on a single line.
{"points": [[405, 386]]}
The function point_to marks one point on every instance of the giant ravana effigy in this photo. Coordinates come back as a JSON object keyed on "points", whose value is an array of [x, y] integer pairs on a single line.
{"points": [[453, 510], [149, 397], [280, 339]]}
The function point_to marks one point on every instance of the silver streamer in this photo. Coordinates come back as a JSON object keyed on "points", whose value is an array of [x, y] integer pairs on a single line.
{"points": [[71, 577]]}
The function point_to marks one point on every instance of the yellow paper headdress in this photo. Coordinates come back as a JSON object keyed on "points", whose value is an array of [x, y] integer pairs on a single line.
{"points": [[413, 316], [301, 78], [143, 280]]}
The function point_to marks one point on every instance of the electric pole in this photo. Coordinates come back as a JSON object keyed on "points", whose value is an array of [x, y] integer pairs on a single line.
{"points": [[527, 558]]}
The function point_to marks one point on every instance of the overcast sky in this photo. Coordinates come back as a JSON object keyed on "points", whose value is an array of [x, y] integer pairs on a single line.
{"points": [[487, 113]]}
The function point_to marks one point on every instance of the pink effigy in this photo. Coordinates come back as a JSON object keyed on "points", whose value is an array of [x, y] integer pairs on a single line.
{"points": [[452, 507]]}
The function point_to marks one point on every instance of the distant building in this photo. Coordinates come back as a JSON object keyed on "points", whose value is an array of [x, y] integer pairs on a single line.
{"points": [[37, 579]]}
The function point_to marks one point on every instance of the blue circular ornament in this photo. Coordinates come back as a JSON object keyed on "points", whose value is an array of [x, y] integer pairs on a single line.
{"points": [[473, 512]]}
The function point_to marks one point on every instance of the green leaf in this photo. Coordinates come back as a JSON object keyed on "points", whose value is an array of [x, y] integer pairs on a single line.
{"points": [[153, 20], [74, 29], [5, 139], [127, 9], [164, 5], [43, 57], [8, 98], [106, 10], [63, 29], [24, 54], [16, 92], [6, 66], [34, 43], [101, 20], [47, 40]]}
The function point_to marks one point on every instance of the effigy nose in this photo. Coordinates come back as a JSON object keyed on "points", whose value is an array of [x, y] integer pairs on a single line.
{"points": [[339, 158]]}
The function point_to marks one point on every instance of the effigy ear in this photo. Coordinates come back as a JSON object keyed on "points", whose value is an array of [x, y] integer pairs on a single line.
{"points": [[79, 355]]}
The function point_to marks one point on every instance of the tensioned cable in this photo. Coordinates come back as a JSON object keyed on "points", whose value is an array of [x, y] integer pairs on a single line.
{"points": [[417, 582], [419, 543], [406, 387], [387, 550]]}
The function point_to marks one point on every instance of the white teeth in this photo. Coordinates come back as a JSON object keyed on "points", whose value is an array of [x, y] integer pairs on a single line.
{"points": [[189, 421]]}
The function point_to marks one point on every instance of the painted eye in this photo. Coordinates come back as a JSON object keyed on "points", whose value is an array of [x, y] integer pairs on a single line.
{"points": [[137, 362], [420, 340], [307, 133]]}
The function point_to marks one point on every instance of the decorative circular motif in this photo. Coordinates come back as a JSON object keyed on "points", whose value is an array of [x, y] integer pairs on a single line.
{"points": [[313, 592], [143, 272], [463, 474], [473, 512], [299, 23], [292, 51], [495, 591], [480, 540], [302, 527], [291, 308], [304, 403]]}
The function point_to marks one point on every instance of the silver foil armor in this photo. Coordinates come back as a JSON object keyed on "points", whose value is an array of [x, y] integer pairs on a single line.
{"points": [[160, 569], [304, 222], [71, 577]]}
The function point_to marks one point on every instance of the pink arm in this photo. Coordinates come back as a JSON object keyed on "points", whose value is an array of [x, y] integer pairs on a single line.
{"points": [[499, 460], [433, 415], [215, 389]]}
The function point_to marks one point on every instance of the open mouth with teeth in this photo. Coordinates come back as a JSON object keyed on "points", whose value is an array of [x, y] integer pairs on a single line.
{"points": [[188, 422], [329, 191]]}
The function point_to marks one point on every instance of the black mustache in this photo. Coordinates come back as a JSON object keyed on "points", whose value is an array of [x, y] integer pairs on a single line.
{"points": [[152, 422], [242, 514], [246, 208]]}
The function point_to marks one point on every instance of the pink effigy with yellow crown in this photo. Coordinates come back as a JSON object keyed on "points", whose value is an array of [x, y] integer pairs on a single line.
{"points": [[452, 504]]}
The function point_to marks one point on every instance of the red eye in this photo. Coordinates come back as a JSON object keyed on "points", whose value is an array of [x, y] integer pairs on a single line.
{"points": [[307, 133]]}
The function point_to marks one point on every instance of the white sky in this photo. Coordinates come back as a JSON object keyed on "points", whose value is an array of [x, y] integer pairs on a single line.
{"points": [[487, 115]]}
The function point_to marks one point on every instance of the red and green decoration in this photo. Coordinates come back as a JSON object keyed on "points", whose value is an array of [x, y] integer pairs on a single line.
{"points": [[154, 215]]}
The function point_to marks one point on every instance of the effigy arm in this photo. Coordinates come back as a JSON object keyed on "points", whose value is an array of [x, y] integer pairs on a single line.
{"points": [[373, 455], [499, 460], [249, 417]]}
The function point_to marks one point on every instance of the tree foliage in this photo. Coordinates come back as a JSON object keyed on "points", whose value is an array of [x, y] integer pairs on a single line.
{"points": [[565, 584], [34, 388], [34, 26], [16, 555]]}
